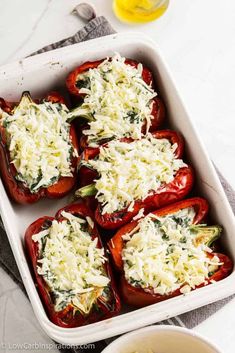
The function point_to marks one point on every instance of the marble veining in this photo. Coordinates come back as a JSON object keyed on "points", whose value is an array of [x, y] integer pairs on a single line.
{"points": [[31, 33]]}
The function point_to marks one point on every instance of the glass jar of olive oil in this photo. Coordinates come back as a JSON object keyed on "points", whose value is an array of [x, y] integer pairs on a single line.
{"points": [[139, 11]]}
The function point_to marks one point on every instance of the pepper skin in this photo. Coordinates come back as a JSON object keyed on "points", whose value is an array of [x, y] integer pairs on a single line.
{"points": [[166, 194], [158, 108], [137, 296], [16, 189], [73, 75], [70, 317]]}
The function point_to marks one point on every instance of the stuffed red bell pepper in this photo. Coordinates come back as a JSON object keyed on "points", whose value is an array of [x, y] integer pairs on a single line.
{"points": [[38, 148], [168, 253], [117, 100], [71, 270], [129, 175]]}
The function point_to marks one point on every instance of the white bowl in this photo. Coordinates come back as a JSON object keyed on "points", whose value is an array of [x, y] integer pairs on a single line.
{"points": [[162, 339]]}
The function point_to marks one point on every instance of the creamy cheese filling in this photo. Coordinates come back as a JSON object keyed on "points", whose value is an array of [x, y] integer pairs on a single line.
{"points": [[117, 100], [132, 171], [162, 254], [39, 143], [71, 263]]}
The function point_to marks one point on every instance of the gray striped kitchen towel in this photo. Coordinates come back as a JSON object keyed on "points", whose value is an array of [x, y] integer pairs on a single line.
{"points": [[99, 27]]}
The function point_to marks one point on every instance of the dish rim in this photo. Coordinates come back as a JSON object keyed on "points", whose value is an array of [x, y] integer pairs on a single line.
{"points": [[139, 317]]}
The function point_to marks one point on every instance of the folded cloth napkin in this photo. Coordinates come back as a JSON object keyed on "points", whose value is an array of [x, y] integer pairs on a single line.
{"points": [[99, 27]]}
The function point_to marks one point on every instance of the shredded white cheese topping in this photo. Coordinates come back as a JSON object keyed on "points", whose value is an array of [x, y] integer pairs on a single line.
{"points": [[117, 100], [131, 171], [164, 255], [39, 143], [71, 263]]}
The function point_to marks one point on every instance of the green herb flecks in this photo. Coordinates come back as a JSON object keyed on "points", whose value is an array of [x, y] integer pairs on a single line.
{"points": [[83, 83], [133, 117]]}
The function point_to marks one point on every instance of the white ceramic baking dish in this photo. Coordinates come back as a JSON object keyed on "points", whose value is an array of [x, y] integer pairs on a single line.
{"points": [[47, 71]]}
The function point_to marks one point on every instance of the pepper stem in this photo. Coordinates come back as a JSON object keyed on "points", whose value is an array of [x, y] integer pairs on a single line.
{"points": [[24, 101], [88, 190], [25, 98], [81, 113], [206, 234]]}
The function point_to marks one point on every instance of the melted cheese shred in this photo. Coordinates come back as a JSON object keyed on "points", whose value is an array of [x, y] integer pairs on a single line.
{"points": [[39, 143], [71, 263], [163, 255], [117, 101], [131, 171]]}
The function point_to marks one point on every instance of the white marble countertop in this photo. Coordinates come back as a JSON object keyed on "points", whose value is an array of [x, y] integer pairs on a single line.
{"points": [[197, 38]]}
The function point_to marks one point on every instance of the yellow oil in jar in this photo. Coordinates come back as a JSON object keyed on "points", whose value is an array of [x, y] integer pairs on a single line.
{"points": [[139, 10]]}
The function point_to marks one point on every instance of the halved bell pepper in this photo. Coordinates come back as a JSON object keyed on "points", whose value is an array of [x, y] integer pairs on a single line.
{"points": [[166, 194], [72, 80], [158, 113], [139, 297], [105, 306], [158, 108], [16, 189]]}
